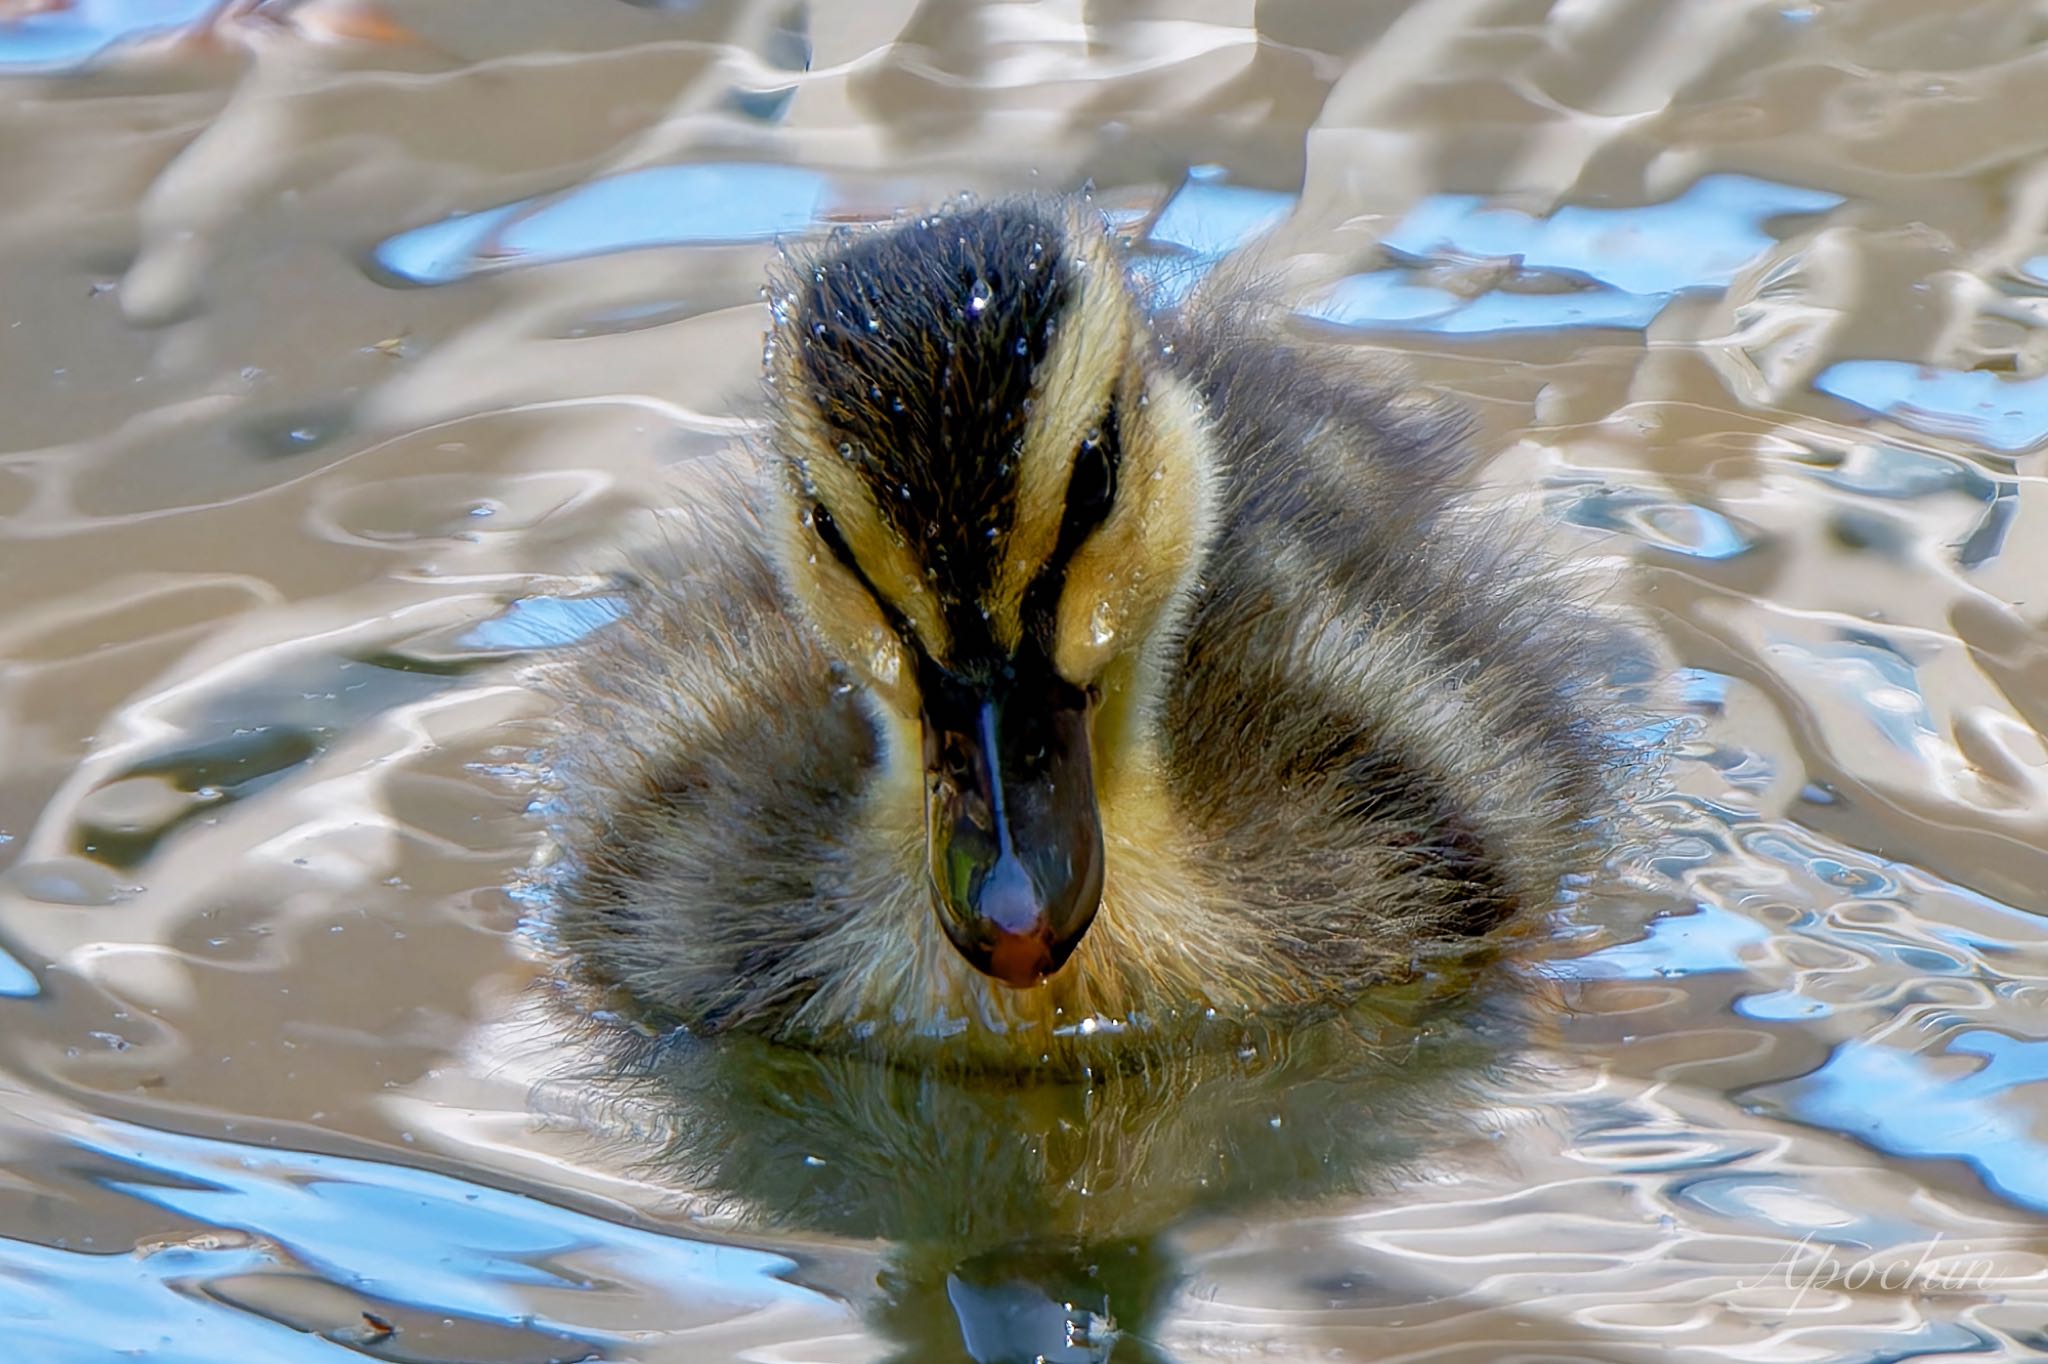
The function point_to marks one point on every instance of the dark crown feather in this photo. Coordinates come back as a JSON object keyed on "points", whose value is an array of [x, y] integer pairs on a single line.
{"points": [[918, 345]]}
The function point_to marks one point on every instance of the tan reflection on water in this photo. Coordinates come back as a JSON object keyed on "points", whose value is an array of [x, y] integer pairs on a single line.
{"points": [[256, 493]]}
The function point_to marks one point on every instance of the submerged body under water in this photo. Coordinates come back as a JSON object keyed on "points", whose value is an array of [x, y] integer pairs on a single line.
{"points": [[346, 344]]}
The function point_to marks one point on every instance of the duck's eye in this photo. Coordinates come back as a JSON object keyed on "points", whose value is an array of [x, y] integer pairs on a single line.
{"points": [[1091, 490], [828, 531]]}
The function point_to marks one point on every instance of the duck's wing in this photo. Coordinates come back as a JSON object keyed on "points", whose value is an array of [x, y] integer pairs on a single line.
{"points": [[696, 735], [1391, 706]]}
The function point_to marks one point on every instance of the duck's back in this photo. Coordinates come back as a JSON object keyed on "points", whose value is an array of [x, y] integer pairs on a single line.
{"points": [[1391, 725]]}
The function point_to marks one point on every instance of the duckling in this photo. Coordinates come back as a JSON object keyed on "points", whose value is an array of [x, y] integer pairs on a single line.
{"points": [[1060, 671]]}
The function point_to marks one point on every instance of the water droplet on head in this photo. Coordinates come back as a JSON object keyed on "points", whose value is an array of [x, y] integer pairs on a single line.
{"points": [[1101, 624], [978, 297]]}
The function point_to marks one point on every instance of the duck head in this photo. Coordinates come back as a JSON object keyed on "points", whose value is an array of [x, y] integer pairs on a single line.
{"points": [[995, 501]]}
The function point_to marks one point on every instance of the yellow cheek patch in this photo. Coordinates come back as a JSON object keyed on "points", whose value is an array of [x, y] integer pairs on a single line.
{"points": [[1069, 398], [851, 621], [1123, 576], [888, 565]]}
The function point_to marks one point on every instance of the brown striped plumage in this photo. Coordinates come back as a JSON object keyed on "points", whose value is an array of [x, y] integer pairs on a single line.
{"points": [[1337, 722]]}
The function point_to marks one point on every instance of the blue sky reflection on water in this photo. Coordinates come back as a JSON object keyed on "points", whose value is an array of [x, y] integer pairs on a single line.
{"points": [[2004, 414], [1917, 1104], [16, 980], [1601, 267], [542, 623], [1597, 267], [702, 203], [1913, 1104], [1902, 1102], [148, 1305], [388, 1232], [57, 39], [1677, 527], [1208, 216], [1700, 239], [1711, 938], [1203, 221]]}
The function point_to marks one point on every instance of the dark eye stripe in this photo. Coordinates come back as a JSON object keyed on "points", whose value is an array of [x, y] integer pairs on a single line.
{"points": [[828, 532], [1091, 495]]}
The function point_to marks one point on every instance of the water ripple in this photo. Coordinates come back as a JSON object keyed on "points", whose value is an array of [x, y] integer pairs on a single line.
{"points": [[1579, 267], [1206, 219], [391, 1235], [1909, 1104], [70, 35], [706, 203], [2004, 414], [1710, 939], [542, 623], [150, 1305]]}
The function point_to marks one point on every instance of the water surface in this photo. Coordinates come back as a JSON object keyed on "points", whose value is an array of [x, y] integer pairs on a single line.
{"points": [[342, 340]]}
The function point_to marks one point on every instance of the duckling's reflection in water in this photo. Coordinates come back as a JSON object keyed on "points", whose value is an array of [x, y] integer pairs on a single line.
{"points": [[1032, 1220]]}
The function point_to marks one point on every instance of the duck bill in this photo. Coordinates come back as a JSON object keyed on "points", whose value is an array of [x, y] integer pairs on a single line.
{"points": [[1011, 827]]}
